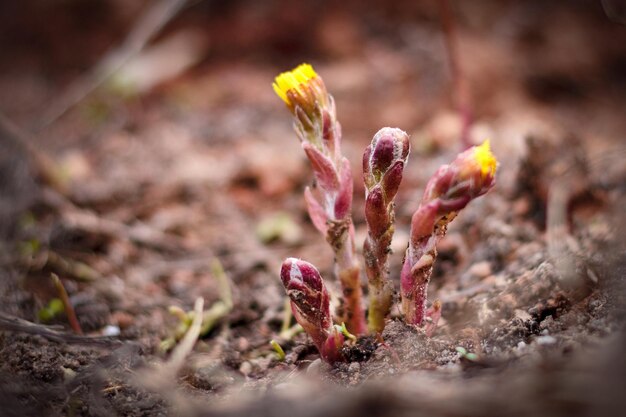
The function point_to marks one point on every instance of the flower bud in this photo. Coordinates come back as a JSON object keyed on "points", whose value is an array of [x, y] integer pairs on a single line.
{"points": [[301, 87], [309, 298], [316, 125], [471, 174], [448, 191], [389, 146]]}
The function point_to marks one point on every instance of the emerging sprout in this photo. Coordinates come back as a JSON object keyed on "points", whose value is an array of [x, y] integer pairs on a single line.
{"points": [[452, 187], [463, 353], [329, 203], [311, 308], [300, 87], [280, 353], [383, 164]]}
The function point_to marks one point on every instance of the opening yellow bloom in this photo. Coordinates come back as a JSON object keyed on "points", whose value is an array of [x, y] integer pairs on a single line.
{"points": [[485, 158], [293, 80]]}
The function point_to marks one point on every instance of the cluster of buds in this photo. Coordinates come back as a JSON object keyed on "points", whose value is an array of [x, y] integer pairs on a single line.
{"points": [[383, 165], [452, 187], [330, 204], [311, 307]]}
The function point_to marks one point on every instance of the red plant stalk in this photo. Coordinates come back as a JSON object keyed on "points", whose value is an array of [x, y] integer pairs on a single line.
{"points": [[461, 87], [67, 304], [329, 203], [311, 307], [452, 187], [383, 165]]}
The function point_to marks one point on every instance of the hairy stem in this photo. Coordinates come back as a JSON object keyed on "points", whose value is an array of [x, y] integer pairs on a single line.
{"points": [[383, 165], [340, 235]]}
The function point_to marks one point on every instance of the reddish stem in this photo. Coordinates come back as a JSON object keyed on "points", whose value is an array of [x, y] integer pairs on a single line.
{"points": [[69, 309], [463, 101]]}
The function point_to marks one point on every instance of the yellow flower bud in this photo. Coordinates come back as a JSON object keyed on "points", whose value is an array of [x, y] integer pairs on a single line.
{"points": [[293, 80], [485, 159], [303, 88]]}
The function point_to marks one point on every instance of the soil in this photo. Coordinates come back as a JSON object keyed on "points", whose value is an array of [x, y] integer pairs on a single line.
{"points": [[163, 179]]}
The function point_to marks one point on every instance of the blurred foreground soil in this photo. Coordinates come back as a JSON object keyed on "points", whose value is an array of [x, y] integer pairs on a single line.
{"points": [[185, 156]]}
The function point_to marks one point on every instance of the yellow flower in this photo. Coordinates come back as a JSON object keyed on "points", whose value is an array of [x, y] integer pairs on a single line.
{"points": [[485, 159], [293, 80], [303, 88], [474, 168]]}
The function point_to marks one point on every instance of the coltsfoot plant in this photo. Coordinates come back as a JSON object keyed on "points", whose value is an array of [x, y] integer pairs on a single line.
{"points": [[329, 203], [310, 304], [452, 187], [383, 165]]}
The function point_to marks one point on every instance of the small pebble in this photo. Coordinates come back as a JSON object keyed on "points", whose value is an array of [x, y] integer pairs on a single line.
{"points": [[523, 315], [546, 340], [245, 368], [111, 330], [314, 367], [546, 324], [594, 304], [480, 269], [521, 345], [354, 367], [68, 374], [243, 344]]}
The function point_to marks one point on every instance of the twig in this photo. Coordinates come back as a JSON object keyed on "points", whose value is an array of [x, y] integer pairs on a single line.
{"points": [[113, 388], [183, 349], [15, 324], [89, 221], [461, 88], [220, 308], [615, 11], [162, 378], [42, 166], [57, 196], [67, 304], [148, 25], [210, 317], [80, 271], [570, 260]]}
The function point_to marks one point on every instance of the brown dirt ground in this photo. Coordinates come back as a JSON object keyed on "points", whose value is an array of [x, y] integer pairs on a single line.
{"points": [[191, 166]]}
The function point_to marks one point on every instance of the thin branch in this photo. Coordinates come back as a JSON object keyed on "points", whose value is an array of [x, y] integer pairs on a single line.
{"points": [[72, 269], [86, 220], [41, 165], [148, 25], [15, 324], [615, 11], [67, 304], [183, 349], [461, 88], [162, 377]]}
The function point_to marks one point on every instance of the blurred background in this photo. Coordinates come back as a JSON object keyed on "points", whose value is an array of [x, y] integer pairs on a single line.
{"points": [[140, 140], [125, 95]]}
